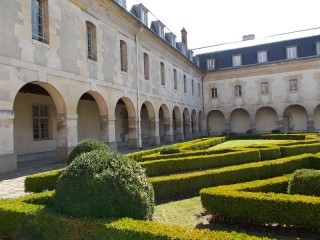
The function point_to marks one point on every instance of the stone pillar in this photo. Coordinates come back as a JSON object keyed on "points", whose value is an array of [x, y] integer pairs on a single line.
{"points": [[195, 129], [187, 130], [67, 135], [154, 136], [253, 125], [133, 141], [280, 124], [108, 131], [8, 159], [179, 130], [228, 125], [168, 130], [310, 123]]}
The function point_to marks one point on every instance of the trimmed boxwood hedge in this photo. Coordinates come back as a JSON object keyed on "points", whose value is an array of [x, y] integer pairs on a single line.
{"points": [[32, 218], [299, 149], [267, 136], [305, 182], [189, 184], [238, 203], [175, 165]]}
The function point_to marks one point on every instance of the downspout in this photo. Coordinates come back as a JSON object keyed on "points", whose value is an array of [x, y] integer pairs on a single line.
{"points": [[138, 88], [204, 130]]}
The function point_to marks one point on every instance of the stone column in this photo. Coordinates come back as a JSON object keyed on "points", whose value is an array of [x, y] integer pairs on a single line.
{"points": [[154, 136], [280, 124], [227, 125], [133, 141], [253, 125], [8, 159], [187, 130], [107, 131], [179, 130], [168, 130], [67, 135], [310, 123]]}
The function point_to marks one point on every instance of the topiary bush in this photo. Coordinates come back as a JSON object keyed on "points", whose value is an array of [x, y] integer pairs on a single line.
{"points": [[86, 145], [276, 131], [104, 184], [305, 182], [169, 150]]}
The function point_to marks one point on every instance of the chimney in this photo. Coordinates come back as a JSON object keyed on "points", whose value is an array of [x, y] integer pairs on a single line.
{"points": [[248, 37], [184, 37]]}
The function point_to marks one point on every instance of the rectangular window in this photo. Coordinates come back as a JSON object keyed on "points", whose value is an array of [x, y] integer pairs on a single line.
{"points": [[199, 89], [264, 88], [184, 84], [236, 60], [144, 17], [262, 56], [175, 81], [291, 52], [211, 64], [161, 31], [318, 48], [293, 85], [162, 74], [146, 66], [192, 87], [39, 20], [40, 122], [123, 56], [214, 92], [91, 41], [237, 91]]}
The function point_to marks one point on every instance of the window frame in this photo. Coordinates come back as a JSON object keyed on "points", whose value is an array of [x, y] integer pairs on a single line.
{"points": [[184, 84], [37, 123], [175, 80], [144, 17], [214, 92], [262, 56], [293, 85], [146, 66], [162, 74], [40, 21], [123, 56], [211, 64], [317, 48], [91, 33], [192, 87], [237, 91], [237, 60], [292, 52], [265, 88]]}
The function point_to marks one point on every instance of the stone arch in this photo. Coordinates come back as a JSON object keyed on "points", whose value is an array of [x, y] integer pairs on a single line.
{"points": [[187, 128], [295, 119], [176, 122], [40, 126], [266, 120], [92, 117], [164, 124], [148, 125], [216, 123], [126, 124], [240, 121]]}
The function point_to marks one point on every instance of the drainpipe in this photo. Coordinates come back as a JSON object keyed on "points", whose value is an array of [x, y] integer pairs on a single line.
{"points": [[138, 88], [204, 128]]}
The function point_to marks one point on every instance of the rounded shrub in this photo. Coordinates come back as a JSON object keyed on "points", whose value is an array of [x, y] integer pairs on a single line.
{"points": [[169, 150], [104, 184], [305, 182], [86, 145], [275, 131]]}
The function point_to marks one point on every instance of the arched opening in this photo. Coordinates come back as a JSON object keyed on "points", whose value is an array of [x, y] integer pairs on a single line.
{"points": [[216, 123], [240, 121], [38, 133], [266, 120], [125, 125], [187, 127], [295, 119], [148, 125], [164, 125]]}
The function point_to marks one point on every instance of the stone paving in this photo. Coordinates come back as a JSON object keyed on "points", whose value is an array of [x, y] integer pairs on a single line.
{"points": [[12, 185]]}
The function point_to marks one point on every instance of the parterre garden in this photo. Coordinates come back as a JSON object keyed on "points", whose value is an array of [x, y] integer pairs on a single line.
{"points": [[256, 183]]}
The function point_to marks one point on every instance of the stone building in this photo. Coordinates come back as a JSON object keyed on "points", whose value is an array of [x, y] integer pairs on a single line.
{"points": [[77, 69]]}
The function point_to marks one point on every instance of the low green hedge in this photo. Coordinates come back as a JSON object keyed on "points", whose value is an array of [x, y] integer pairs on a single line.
{"points": [[299, 149], [237, 203], [267, 152], [33, 218], [305, 182], [189, 184], [202, 143], [267, 136], [42, 181], [175, 165]]}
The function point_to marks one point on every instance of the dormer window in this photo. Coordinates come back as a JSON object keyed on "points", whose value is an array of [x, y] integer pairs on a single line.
{"points": [[318, 48], [262, 56], [144, 17], [292, 52], [236, 60], [210, 64], [122, 3], [161, 31], [184, 49]]}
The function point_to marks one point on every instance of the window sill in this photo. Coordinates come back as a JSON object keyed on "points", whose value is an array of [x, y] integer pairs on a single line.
{"points": [[123, 72], [92, 61], [40, 44]]}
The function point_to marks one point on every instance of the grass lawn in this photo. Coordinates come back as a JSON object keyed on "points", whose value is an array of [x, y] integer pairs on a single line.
{"points": [[236, 143]]}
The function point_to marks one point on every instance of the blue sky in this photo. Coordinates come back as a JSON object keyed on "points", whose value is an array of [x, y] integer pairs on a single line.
{"points": [[210, 22]]}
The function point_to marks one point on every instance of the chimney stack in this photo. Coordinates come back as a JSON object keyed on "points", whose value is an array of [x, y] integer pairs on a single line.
{"points": [[184, 37], [248, 37]]}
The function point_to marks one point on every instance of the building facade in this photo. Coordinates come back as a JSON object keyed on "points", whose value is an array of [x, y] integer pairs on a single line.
{"points": [[253, 86], [78, 69]]}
